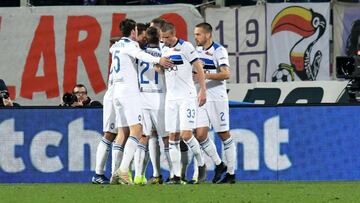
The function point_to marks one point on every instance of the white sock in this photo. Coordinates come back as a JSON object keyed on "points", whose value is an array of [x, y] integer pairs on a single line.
{"points": [[129, 151], [184, 162], [139, 159], [194, 145], [146, 161], [196, 170], [210, 149], [174, 151], [154, 152], [230, 154], [102, 154], [168, 159], [117, 154]]}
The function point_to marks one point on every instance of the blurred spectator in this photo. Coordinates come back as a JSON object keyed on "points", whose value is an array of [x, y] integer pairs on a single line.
{"points": [[78, 98], [55, 2], [241, 2], [90, 2], [5, 100], [9, 3], [152, 2], [95, 2]]}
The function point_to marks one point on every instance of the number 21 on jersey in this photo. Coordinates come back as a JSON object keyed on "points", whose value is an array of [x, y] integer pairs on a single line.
{"points": [[144, 79]]}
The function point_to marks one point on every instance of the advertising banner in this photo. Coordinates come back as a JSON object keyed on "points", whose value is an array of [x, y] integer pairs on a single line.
{"points": [[47, 50], [273, 143], [315, 92]]}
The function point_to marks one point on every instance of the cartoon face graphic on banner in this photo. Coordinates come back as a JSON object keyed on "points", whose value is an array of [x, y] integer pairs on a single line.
{"points": [[300, 55]]}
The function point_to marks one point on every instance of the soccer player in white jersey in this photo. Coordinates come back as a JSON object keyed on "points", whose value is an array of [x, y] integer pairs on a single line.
{"points": [[126, 95], [159, 22], [153, 143], [152, 91], [181, 99], [110, 132], [216, 109]]}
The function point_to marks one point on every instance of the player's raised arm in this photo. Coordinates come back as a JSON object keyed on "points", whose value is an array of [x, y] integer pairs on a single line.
{"points": [[140, 54]]}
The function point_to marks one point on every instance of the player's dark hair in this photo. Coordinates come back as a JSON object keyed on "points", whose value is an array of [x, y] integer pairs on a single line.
{"points": [[153, 35], [158, 22], [206, 26], [80, 86], [141, 27], [167, 27], [126, 26]]}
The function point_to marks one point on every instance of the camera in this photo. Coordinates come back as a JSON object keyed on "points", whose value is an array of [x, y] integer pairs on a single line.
{"points": [[348, 67], [69, 99], [4, 94]]}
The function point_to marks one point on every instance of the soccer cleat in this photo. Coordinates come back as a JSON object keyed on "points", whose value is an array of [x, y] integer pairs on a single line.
{"points": [[193, 181], [155, 180], [228, 179], [120, 177], [219, 170], [130, 174], [143, 180], [100, 179], [138, 180], [174, 181], [202, 174], [113, 180]]}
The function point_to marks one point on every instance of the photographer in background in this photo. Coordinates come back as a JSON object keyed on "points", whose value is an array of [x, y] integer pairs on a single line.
{"points": [[78, 98], [5, 100]]}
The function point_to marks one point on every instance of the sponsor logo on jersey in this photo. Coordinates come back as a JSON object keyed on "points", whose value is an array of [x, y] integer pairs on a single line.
{"points": [[208, 53]]}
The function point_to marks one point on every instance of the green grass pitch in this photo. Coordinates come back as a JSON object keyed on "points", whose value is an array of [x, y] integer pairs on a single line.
{"points": [[257, 191]]}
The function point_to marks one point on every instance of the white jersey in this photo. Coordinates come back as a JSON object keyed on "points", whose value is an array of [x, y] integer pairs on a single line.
{"points": [[213, 58], [111, 71], [179, 80], [152, 83], [124, 53]]}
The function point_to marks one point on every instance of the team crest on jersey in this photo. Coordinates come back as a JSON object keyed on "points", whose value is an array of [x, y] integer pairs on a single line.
{"points": [[208, 53], [175, 49]]}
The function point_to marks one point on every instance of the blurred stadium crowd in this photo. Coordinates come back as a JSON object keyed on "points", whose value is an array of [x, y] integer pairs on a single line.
{"points": [[17, 3]]}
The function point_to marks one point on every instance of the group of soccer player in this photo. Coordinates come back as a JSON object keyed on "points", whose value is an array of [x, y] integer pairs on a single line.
{"points": [[163, 87]]}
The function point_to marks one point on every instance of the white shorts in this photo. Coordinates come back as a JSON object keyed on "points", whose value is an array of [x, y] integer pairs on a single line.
{"points": [[180, 115], [109, 113], [128, 110], [154, 119], [215, 113]]}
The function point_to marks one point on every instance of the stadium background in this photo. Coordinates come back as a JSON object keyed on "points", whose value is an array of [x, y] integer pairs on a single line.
{"points": [[275, 142]]}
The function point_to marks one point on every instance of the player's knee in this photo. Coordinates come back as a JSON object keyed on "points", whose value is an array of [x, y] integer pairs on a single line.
{"points": [[224, 135], [201, 134], [109, 136], [136, 130]]}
